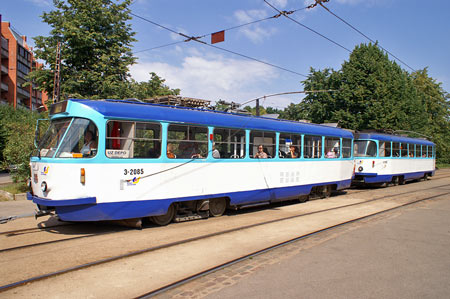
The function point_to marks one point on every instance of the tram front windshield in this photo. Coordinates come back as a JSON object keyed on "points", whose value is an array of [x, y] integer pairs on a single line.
{"points": [[365, 148], [69, 138]]}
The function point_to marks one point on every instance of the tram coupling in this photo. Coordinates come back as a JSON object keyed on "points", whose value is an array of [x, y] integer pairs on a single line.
{"points": [[41, 213]]}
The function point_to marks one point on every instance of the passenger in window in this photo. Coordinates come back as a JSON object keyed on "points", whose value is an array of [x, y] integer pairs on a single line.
{"points": [[292, 152], [90, 145], [261, 154], [330, 154], [336, 152], [215, 152], [170, 153]]}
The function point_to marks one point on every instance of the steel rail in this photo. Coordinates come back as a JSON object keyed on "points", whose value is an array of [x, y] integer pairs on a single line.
{"points": [[273, 247], [124, 230], [188, 240]]}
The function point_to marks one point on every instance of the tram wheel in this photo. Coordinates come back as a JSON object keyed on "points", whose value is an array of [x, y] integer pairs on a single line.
{"points": [[165, 219], [303, 198], [401, 181], [217, 206], [395, 181], [326, 191]]}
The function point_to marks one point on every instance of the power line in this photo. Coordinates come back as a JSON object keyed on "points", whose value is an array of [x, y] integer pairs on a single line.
{"points": [[254, 59], [204, 35], [310, 29], [290, 92], [348, 24], [197, 39]]}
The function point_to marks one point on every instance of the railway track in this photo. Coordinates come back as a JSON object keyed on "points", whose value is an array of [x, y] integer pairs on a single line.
{"points": [[175, 284], [50, 228], [186, 241], [122, 230]]}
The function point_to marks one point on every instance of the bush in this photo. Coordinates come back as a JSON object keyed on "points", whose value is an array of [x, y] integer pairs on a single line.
{"points": [[17, 140]]}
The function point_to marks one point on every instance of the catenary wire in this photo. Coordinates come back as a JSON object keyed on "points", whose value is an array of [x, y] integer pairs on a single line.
{"points": [[310, 29], [193, 38], [354, 28], [204, 35]]}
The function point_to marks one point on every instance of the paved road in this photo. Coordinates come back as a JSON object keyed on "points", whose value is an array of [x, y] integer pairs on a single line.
{"points": [[402, 256]]}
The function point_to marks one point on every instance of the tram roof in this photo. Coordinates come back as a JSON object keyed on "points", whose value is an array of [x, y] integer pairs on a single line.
{"points": [[116, 109], [394, 138]]}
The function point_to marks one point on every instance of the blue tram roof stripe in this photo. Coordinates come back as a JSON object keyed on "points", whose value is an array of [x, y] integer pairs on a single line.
{"points": [[394, 138], [145, 111]]}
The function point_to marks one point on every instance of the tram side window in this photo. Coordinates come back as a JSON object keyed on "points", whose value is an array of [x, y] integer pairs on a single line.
{"points": [[384, 149], [411, 150], [187, 142], [290, 145], [346, 148], [127, 139], [312, 147], [403, 150], [332, 146], [395, 149], [229, 143], [365, 148], [430, 151], [262, 144]]}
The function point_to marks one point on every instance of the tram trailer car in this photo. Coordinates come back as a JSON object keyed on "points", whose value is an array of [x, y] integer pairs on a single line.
{"points": [[385, 158], [163, 162]]}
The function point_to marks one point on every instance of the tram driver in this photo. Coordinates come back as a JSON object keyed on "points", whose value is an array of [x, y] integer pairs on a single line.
{"points": [[90, 145]]}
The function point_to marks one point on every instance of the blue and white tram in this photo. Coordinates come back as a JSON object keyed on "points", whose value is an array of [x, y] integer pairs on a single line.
{"points": [[385, 158], [113, 160]]}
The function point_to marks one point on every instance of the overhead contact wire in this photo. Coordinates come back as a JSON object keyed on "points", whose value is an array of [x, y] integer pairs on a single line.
{"points": [[285, 14], [354, 28], [197, 39]]}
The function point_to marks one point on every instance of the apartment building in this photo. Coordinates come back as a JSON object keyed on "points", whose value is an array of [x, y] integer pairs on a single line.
{"points": [[16, 61]]}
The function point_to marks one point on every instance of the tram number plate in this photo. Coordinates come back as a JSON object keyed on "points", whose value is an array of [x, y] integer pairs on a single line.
{"points": [[133, 171]]}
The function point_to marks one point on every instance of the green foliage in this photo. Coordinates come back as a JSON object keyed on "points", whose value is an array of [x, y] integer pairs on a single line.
{"points": [[96, 48], [372, 92], [153, 87], [17, 128], [437, 107]]}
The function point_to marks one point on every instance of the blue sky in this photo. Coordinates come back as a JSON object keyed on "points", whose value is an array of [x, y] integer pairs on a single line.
{"points": [[417, 32]]}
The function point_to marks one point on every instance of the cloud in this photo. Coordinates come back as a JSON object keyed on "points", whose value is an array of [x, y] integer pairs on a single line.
{"points": [[211, 77], [41, 3], [255, 32]]}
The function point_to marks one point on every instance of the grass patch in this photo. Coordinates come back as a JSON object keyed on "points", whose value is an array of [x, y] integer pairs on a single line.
{"points": [[15, 188], [442, 166]]}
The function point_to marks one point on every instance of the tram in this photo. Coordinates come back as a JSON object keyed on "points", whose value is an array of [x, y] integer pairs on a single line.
{"points": [[386, 158], [115, 160]]}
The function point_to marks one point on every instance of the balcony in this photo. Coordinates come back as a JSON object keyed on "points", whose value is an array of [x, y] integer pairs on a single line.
{"points": [[4, 87], [22, 93], [4, 70], [5, 45]]}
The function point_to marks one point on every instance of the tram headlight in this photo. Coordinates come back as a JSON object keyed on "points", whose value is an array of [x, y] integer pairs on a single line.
{"points": [[360, 168], [44, 187]]}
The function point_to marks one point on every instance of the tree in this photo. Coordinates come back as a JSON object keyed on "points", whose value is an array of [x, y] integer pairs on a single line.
{"points": [[153, 87], [437, 107], [371, 92], [17, 131], [96, 48]]}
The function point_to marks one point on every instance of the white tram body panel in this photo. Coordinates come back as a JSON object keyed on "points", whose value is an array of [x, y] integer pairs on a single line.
{"points": [[91, 188]]}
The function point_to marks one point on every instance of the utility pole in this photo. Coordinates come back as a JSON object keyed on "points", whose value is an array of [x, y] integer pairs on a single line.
{"points": [[57, 79], [257, 107]]}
